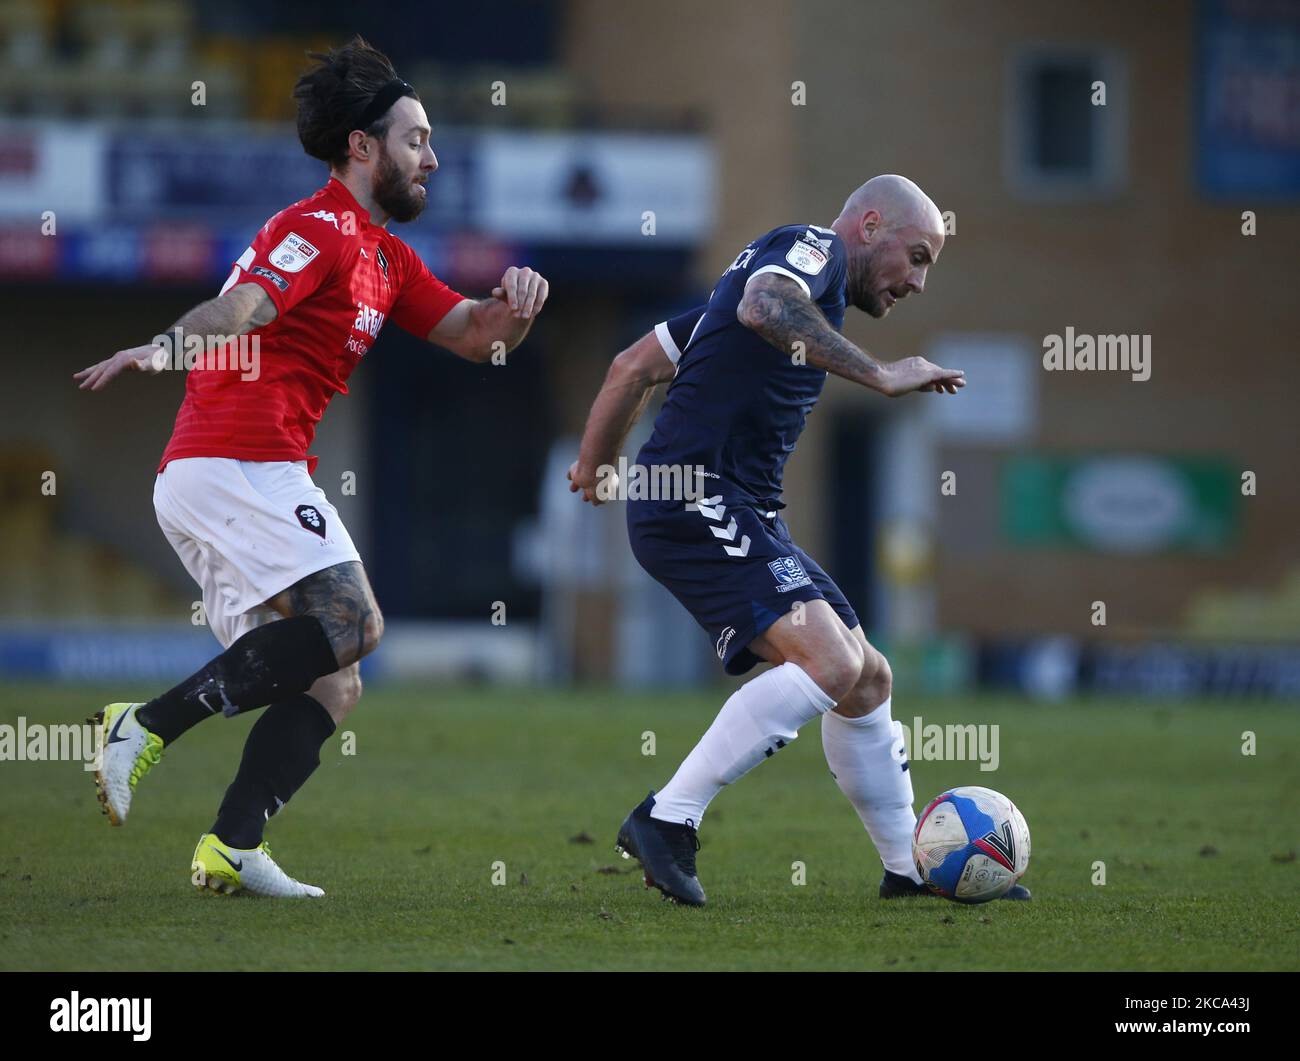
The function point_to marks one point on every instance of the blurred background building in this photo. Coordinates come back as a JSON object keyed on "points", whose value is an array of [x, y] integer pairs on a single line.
{"points": [[1113, 168]]}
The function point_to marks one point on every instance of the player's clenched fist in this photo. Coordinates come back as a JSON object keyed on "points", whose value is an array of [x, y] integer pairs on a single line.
{"points": [[585, 480], [523, 290]]}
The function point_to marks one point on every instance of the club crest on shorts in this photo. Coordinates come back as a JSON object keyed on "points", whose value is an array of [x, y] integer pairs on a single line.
{"points": [[311, 519], [789, 574]]}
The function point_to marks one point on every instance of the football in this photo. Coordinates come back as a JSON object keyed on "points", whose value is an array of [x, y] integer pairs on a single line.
{"points": [[971, 845]]}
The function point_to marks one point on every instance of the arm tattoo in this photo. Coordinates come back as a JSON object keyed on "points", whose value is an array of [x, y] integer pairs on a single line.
{"points": [[341, 599], [241, 309], [777, 309]]}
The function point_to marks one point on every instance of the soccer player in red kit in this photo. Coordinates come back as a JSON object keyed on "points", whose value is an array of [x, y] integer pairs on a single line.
{"points": [[284, 589]]}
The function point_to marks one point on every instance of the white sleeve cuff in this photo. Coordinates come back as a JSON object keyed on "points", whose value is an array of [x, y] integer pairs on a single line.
{"points": [[665, 338], [784, 272]]}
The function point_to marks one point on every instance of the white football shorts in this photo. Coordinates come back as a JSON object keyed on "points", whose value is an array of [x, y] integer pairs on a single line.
{"points": [[245, 531]]}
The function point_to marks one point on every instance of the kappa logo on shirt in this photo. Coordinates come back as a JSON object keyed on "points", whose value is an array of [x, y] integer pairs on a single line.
{"points": [[293, 254], [789, 574], [325, 215]]}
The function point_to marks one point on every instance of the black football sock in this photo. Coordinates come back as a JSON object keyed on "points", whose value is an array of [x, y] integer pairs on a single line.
{"points": [[269, 663], [282, 750]]}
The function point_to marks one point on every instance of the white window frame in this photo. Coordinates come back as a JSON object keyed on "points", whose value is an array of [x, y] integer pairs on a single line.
{"points": [[1110, 175]]}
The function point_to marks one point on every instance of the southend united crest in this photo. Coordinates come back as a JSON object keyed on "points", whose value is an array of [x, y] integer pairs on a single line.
{"points": [[789, 574]]}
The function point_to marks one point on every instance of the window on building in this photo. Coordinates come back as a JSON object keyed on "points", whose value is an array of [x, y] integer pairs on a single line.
{"points": [[1066, 124]]}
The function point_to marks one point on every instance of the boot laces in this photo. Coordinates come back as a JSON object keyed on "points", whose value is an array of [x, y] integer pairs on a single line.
{"points": [[684, 841]]}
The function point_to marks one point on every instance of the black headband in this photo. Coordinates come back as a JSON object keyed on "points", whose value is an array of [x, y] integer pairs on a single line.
{"points": [[382, 100]]}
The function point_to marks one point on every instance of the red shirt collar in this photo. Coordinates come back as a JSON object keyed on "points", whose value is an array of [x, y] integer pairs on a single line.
{"points": [[339, 191]]}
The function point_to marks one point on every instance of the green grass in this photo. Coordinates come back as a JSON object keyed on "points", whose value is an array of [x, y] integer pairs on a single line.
{"points": [[1198, 841]]}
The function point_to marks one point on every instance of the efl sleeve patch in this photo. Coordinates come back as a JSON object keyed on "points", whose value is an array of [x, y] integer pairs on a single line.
{"points": [[807, 258], [275, 278], [293, 254]]}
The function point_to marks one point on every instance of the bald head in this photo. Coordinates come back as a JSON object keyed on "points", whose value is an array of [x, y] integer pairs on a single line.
{"points": [[899, 202], [893, 232]]}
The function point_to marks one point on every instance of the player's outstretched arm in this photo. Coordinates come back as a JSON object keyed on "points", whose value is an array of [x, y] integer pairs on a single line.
{"points": [[776, 308], [477, 330], [631, 379], [242, 309]]}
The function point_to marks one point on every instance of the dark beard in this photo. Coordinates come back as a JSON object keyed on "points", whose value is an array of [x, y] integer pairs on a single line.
{"points": [[394, 194], [860, 294]]}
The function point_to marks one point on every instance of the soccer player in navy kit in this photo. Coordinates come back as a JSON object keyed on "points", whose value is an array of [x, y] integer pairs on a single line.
{"points": [[746, 369]]}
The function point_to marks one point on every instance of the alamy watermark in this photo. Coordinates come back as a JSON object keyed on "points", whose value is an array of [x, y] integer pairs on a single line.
{"points": [[220, 353], [38, 742], [77, 1014], [1073, 352], [655, 482], [951, 743]]}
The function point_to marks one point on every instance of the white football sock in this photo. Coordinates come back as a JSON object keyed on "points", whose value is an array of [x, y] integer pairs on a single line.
{"points": [[759, 718], [862, 757]]}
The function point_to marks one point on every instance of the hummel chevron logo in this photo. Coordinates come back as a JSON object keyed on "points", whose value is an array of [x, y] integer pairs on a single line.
{"points": [[738, 550], [712, 508], [708, 507], [728, 532], [1000, 848]]}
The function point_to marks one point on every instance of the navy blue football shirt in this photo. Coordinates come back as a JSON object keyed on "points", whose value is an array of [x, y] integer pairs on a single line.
{"points": [[737, 405]]}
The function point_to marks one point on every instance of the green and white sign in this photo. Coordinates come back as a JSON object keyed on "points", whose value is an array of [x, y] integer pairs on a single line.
{"points": [[1121, 504]]}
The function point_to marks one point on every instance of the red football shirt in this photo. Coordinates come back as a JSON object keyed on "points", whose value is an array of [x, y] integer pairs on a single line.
{"points": [[334, 278]]}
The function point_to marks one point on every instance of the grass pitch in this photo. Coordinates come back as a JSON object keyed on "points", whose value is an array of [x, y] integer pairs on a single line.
{"points": [[447, 784]]}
